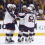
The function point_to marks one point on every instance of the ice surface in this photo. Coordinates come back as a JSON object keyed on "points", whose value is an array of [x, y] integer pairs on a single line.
{"points": [[38, 40]]}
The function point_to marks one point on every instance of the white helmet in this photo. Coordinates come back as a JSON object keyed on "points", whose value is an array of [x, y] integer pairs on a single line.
{"points": [[14, 5], [9, 5], [31, 5], [29, 8], [24, 6]]}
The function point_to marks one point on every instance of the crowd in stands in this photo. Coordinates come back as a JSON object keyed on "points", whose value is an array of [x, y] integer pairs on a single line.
{"points": [[1, 9], [39, 5]]}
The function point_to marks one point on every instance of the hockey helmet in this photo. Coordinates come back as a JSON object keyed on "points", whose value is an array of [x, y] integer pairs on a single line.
{"points": [[31, 5], [29, 8], [14, 6], [24, 6], [9, 5]]}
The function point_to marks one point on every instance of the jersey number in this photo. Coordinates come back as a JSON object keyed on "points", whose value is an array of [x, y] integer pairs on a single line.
{"points": [[31, 19]]}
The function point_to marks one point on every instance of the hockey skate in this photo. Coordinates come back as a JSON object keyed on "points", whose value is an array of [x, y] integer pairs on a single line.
{"points": [[9, 41], [19, 41], [29, 40]]}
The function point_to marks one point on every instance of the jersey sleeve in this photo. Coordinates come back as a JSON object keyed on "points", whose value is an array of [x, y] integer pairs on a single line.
{"points": [[21, 15], [11, 14]]}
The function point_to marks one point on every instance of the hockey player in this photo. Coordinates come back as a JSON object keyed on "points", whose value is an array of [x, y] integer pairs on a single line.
{"points": [[13, 10], [21, 23], [29, 23], [33, 9], [36, 14], [9, 22]]}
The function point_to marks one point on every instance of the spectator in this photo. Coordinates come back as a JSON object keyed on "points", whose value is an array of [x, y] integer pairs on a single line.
{"points": [[29, 1], [24, 2], [7, 2], [44, 8], [10, 1], [37, 4], [43, 16], [35, 0], [20, 1], [1, 2], [15, 1], [42, 2], [41, 11], [1, 12]]}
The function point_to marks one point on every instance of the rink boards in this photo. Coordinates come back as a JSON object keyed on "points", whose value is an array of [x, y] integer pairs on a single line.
{"points": [[40, 28]]}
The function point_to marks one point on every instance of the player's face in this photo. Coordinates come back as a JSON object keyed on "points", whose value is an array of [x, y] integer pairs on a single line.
{"points": [[11, 7], [28, 10], [14, 8], [24, 8], [31, 7]]}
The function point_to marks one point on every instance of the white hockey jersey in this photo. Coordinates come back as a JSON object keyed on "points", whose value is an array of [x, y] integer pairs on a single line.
{"points": [[8, 18], [21, 15], [29, 20]]}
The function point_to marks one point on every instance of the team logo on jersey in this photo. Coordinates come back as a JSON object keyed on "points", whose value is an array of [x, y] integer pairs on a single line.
{"points": [[31, 19]]}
